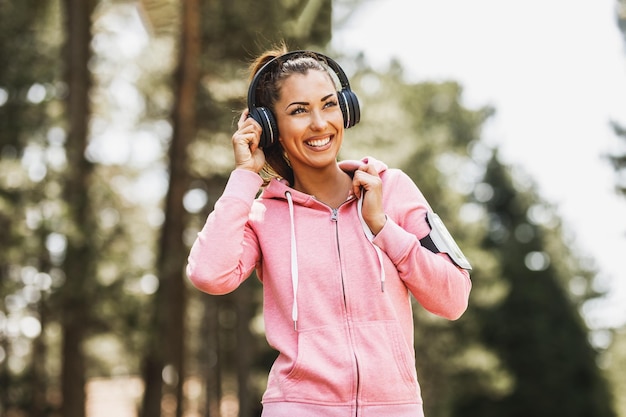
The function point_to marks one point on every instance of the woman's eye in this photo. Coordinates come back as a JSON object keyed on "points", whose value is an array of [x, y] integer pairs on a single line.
{"points": [[331, 103], [298, 110]]}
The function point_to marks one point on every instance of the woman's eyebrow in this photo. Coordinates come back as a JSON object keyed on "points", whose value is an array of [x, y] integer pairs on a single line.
{"points": [[297, 103], [306, 103]]}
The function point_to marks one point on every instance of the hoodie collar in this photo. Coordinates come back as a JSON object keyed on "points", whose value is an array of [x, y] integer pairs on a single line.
{"points": [[277, 187]]}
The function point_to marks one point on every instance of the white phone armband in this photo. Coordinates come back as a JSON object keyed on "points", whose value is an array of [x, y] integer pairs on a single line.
{"points": [[441, 241]]}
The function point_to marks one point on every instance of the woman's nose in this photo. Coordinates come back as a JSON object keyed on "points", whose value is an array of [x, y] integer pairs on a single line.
{"points": [[318, 121]]}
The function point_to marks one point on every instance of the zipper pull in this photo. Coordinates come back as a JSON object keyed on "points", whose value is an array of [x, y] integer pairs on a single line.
{"points": [[333, 216]]}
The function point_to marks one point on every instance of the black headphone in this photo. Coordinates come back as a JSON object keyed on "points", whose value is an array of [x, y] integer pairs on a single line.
{"points": [[348, 102]]}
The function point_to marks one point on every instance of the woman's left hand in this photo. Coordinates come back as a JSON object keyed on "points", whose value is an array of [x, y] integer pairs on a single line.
{"points": [[366, 180]]}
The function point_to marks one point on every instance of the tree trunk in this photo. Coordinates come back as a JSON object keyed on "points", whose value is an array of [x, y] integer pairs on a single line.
{"points": [[78, 263], [38, 371], [210, 357], [168, 347], [245, 348], [210, 354]]}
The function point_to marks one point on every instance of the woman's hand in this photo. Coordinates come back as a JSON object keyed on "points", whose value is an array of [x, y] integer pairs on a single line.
{"points": [[248, 155], [367, 181]]}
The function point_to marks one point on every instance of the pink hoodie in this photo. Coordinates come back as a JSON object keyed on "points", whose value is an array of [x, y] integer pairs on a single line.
{"points": [[343, 326]]}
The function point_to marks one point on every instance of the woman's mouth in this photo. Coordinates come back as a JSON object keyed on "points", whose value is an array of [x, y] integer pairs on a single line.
{"points": [[318, 143]]}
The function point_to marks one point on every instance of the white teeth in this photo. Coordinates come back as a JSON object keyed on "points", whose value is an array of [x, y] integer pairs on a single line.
{"points": [[318, 143]]}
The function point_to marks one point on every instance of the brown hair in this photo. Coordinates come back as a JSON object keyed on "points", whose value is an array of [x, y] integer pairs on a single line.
{"points": [[268, 93]]}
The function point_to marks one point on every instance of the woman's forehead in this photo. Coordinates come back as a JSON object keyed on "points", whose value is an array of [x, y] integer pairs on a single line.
{"points": [[311, 81]]}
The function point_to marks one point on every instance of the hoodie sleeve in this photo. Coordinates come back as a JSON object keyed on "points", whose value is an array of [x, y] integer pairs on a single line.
{"points": [[436, 282], [226, 251]]}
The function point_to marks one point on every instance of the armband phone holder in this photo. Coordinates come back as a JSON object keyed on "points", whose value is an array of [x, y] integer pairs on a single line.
{"points": [[439, 240]]}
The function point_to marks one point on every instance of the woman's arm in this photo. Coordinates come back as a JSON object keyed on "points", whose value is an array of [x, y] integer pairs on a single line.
{"points": [[436, 282], [226, 250]]}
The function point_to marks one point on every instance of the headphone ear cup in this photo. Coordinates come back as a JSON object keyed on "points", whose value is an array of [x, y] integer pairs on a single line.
{"points": [[269, 132], [349, 104], [355, 108]]}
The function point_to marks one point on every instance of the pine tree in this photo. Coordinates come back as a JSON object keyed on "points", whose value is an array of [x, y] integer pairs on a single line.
{"points": [[535, 329]]}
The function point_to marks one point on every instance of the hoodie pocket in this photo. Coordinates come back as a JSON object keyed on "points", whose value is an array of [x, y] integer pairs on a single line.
{"points": [[386, 364], [324, 371]]}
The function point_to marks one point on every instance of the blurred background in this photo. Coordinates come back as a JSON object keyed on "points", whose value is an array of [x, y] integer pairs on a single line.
{"points": [[115, 126]]}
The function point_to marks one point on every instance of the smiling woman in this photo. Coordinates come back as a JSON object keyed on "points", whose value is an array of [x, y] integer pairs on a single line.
{"points": [[337, 246]]}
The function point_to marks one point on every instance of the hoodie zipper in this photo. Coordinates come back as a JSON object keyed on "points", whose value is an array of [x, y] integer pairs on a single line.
{"points": [[334, 218]]}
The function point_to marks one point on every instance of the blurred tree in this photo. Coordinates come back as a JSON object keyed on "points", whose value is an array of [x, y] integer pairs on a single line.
{"points": [[615, 364], [617, 351], [30, 157], [619, 160], [170, 302], [79, 263], [64, 236], [535, 328]]}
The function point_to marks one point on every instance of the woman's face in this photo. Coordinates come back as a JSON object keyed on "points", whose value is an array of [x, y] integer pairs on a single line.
{"points": [[310, 123]]}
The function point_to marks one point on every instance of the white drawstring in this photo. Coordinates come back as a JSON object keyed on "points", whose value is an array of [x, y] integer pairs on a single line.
{"points": [[294, 264], [370, 237]]}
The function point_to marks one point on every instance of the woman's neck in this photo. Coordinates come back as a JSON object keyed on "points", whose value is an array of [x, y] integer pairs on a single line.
{"points": [[332, 187]]}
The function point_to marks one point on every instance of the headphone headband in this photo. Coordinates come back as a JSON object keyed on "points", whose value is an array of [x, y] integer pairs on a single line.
{"points": [[347, 99], [341, 75]]}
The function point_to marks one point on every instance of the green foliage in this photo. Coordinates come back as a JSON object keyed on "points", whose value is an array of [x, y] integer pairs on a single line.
{"points": [[31, 157], [619, 160], [617, 350], [535, 329], [30, 40], [245, 28], [615, 363]]}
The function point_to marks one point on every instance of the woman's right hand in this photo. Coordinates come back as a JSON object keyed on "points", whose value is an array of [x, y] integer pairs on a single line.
{"points": [[248, 155]]}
